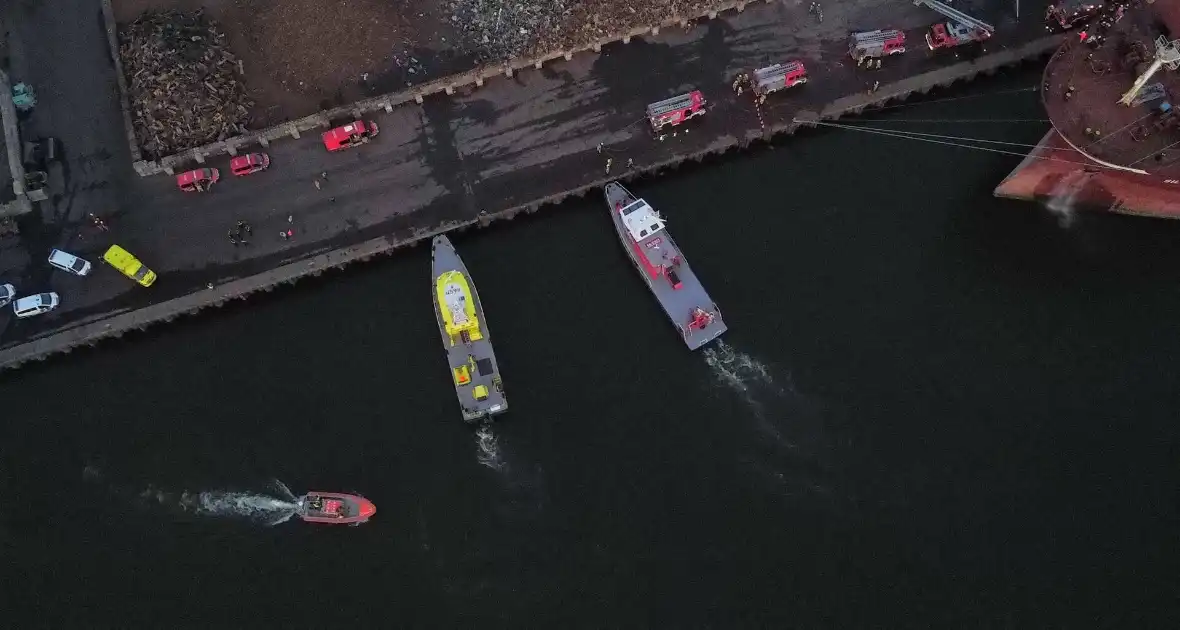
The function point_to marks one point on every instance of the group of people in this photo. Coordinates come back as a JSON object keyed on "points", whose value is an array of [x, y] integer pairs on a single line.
{"points": [[240, 233], [743, 83], [816, 10]]}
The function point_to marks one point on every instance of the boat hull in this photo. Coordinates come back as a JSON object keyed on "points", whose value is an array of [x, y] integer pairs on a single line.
{"points": [[335, 508], [475, 357], [678, 303], [1054, 172]]}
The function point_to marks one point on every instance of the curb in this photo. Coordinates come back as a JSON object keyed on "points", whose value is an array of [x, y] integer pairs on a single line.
{"points": [[139, 319], [386, 102]]}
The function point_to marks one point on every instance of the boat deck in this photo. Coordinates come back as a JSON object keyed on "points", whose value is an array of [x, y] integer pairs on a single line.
{"points": [[1092, 120], [478, 354], [678, 304]]}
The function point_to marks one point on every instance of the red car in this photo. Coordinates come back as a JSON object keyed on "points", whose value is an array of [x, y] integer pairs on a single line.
{"points": [[249, 163], [198, 180], [354, 133]]}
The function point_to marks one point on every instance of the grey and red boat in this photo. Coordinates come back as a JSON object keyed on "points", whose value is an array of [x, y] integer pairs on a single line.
{"points": [[335, 507], [1111, 92], [663, 267]]}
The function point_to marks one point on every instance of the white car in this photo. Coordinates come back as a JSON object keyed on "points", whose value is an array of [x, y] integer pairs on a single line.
{"points": [[69, 262], [31, 305], [7, 292]]}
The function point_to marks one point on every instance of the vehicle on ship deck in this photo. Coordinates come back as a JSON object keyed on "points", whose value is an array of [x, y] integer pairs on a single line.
{"points": [[1064, 15]]}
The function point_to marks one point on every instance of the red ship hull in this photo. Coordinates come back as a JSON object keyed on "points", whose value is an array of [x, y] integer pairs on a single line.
{"points": [[335, 508], [1055, 171]]}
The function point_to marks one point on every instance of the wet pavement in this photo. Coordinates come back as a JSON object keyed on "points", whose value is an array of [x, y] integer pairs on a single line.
{"points": [[509, 143]]}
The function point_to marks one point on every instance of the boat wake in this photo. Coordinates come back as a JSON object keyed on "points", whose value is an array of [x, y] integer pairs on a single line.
{"points": [[489, 448], [790, 456], [255, 507], [246, 506], [746, 376]]}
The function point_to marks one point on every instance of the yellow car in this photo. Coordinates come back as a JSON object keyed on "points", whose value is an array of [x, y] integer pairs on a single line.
{"points": [[122, 260]]}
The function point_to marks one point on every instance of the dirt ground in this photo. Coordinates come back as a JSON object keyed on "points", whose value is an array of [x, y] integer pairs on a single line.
{"points": [[301, 56]]}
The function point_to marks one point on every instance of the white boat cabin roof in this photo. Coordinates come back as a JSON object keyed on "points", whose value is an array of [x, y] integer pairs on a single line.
{"points": [[641, 220]]}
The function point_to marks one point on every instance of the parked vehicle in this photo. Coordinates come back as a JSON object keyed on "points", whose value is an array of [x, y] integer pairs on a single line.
{"points": [[676, 110], [875, 44], [129, 265], [353, 134], [961, 29], [7, 292], [69, 263], [31, 305], [198, 180], [243, 165], [771, 79]]}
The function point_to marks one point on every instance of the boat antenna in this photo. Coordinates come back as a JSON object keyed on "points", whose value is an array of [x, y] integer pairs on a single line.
{"points": [[1167, 53]]}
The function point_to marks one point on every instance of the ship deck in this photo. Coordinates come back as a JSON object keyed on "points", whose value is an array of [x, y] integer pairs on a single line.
{"points": [[1092, 120]]}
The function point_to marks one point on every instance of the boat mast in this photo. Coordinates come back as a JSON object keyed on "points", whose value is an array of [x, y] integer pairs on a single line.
{"points": [[1166, 54]]}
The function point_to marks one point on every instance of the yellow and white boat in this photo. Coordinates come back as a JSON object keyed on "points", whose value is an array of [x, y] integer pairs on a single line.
{"points": [[474, 371]]}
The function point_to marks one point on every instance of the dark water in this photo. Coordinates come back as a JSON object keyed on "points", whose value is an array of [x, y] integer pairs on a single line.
{"points": [[933, 409]]}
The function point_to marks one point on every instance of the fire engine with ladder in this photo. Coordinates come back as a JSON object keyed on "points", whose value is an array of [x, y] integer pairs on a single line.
{"points": [[676, 110], [876, 44], [961, 28], [771, 79]]}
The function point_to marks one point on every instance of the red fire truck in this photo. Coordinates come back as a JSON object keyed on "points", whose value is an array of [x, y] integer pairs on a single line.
{"points": [[354, 133], [961, 28], [874, 44], [771, 79], [676, 110]]}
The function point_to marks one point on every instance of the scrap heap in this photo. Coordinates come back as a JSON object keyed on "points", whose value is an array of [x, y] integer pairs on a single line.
{"points": [[500, 30], [182, 82]]}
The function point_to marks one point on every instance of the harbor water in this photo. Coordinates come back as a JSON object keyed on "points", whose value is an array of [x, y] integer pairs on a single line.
{"points": [[932, 409]]}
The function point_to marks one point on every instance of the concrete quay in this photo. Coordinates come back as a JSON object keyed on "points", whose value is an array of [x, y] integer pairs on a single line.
{"points": [[455, 161]]}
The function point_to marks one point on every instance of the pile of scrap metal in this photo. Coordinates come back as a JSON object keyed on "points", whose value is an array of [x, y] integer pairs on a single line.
{"points": [[183, 82]]}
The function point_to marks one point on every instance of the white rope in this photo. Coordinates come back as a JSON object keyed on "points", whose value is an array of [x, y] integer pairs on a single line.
{"points": [[907, 136]]}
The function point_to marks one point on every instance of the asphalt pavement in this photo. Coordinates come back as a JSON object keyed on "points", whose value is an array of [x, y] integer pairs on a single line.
{"points": [[509, 143]]}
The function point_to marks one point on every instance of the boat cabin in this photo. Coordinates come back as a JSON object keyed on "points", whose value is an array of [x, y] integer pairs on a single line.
{"points": [[197, 180], [327, 507], [354, 133], [781, 75], [641, 220], [674, 111], [874, 44]]}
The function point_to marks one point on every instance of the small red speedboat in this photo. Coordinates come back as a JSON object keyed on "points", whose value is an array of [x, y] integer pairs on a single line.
{"points": [[335, 507]]}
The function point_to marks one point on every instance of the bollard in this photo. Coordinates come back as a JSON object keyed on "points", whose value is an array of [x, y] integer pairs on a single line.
{"points": [[537, 65], [294, 131], [712, 15], [655, 30], [569, 56], [388, 107], [478, 81], [597, 48], [626, 39], [508, 72], [418, 98], [263, 141], [199, 157], [168, 170], [450, 90]]}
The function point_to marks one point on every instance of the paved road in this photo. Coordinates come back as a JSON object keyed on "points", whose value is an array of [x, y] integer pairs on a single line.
{"points": [[508, 143]]}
